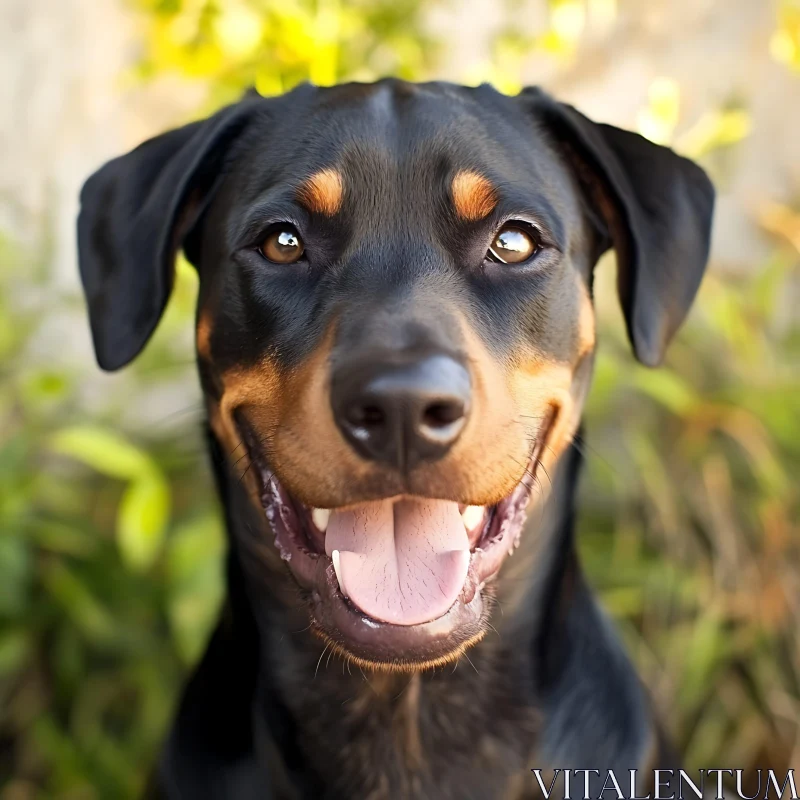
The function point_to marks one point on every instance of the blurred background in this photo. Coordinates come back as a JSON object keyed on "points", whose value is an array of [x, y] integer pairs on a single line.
{"points": [[110, 536]]}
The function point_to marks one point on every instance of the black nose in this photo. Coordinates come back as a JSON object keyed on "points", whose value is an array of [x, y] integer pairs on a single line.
{"points": [[402, 414]]}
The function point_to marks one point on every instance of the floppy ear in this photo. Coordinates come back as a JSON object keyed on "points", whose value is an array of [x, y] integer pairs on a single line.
{"points": [[656, 208], [135, 213]]}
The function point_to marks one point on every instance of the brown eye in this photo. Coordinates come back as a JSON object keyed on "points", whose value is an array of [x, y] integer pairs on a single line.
{"points": [[283, 247], [512, 245]]}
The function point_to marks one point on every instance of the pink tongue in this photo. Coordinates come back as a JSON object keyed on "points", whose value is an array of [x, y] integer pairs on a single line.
{"points": [[400, 561]]}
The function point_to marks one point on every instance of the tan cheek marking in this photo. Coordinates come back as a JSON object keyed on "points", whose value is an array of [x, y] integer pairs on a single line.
{"points": [[307, 437], [538, 387], [490, 385], [203, 337], [488, 454], [322, 192], [242, 387], [539, 382], [289, 409], [587, 337], [253, 386], [473, 196]]}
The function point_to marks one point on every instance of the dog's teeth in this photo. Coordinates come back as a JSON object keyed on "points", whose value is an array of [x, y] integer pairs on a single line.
{"points": [[320, 517], [472, 517], [337, 570]]}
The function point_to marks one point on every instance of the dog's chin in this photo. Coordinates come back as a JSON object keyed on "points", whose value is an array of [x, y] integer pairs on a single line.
{"points": [[403, 583]]}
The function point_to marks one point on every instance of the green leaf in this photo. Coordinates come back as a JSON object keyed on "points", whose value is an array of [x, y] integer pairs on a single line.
{"points": [[705, 652], [106, 452], [195, 579], [15, 574], [44, 385], [14, 649], [142, 519], [76, 599]]}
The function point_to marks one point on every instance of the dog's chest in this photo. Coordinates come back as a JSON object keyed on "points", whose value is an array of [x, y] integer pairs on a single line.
{"points": [[401, 737]]}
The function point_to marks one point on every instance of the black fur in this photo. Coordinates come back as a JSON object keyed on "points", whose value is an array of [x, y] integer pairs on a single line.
{"points": [[265, 715]]}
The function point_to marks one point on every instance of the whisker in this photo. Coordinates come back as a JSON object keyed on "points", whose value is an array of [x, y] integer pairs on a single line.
{"points": [[583, 446], [194, 407], [366, 679], [236, 463], [327, 644], [544, 469], [245, 472], [470, 662], [303, 630], [402, 691]]}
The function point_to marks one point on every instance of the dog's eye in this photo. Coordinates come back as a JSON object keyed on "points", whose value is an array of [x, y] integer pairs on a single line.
{"points": [[512, 245], [283, 246]]}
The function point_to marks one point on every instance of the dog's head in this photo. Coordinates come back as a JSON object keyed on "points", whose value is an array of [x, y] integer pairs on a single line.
{"points": [[395, 321]]}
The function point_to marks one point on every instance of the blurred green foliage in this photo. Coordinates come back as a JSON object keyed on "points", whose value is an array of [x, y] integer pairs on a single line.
{"points": [[110, 559], [110, 537], [273, 46]]}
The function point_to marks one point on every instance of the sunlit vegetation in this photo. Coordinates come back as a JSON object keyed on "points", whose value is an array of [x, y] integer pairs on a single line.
{"points": [[110, 539]]}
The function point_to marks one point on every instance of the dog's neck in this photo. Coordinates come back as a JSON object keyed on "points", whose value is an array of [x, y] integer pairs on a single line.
{"points": [[474, 722]]}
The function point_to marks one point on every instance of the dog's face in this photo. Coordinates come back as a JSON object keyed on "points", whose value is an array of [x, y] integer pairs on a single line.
{"points": [[395, 324]]}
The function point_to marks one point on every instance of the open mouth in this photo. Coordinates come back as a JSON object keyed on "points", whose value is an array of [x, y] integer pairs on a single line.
{"points": [[399, 581]]}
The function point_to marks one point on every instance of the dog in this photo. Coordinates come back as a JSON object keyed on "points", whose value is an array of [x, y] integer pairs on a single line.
{"points": [[395, 335]]}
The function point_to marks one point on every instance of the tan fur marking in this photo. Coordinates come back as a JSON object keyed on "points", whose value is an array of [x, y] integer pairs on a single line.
{"points": [[539, 387], [242, 387], [322, 192], [258, 385], [473, 196], [203, 337], [587, 337]]}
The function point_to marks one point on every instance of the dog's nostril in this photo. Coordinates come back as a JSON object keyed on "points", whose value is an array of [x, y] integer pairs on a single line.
{"points": [[373, 415], [442, 414], [366, 416]]}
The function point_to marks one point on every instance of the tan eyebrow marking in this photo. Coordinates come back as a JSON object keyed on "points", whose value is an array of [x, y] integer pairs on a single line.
{"points": [[322, 192], [473, 195]]}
